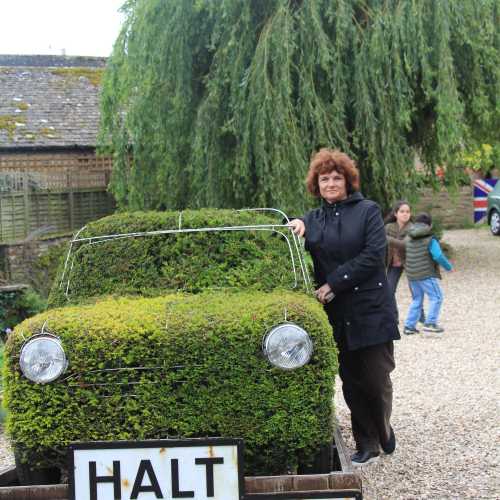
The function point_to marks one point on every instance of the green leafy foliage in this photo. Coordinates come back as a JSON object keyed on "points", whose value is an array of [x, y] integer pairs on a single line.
{"points": [[18, 305], [482, 159], [205, 376], [220, 103], [3, 413], [150, 265]]}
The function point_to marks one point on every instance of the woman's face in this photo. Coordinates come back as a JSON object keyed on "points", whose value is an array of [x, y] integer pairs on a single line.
{"points": [[403, 214], [332, 186]]}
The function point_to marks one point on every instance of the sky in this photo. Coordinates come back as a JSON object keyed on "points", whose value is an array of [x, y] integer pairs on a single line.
{"points": [[71, 27]]}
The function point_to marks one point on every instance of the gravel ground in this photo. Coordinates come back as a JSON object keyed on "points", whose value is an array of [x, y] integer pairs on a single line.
{"points": [[6, 457], [446, 391]]}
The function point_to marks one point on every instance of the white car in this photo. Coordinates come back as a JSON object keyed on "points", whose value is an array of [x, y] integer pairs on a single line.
{"points": [[493, 213]]}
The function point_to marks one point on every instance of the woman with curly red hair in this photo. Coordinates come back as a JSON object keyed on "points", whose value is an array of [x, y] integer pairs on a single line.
{"points": [[347, 242]]}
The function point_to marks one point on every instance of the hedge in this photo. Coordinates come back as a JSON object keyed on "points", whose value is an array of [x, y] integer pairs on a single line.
{"points": [[257, 260], [212, 379], [16, 305]]}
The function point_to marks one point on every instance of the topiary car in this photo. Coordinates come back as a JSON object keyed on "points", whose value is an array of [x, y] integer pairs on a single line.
{"points": [[182, 325]]}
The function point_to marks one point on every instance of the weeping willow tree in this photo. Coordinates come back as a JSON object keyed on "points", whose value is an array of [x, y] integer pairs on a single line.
{"points": [[221, 102]]}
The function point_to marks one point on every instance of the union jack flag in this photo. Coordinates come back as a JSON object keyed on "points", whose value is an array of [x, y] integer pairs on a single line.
{"points": [[481, 189]]}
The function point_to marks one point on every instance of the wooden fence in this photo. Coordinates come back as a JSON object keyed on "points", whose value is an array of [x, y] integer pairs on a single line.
{"points": [[60, 195]]}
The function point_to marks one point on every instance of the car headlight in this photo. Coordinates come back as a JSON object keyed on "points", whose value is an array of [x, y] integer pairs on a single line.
{"points": [[42, 359], [287, 346]]}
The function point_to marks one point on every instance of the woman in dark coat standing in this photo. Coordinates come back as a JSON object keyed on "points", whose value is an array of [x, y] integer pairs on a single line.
{"points": [[347, 242]]}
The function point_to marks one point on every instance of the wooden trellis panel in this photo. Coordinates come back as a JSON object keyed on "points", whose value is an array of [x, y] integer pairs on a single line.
{"points": [[52, 212], [12, 217], [91, 205], [52, 193]]}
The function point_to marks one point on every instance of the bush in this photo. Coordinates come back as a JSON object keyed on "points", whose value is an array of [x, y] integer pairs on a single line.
{"points": [[199, 350], [2, 409], [17, 305], [211, 378], [256, 260]]}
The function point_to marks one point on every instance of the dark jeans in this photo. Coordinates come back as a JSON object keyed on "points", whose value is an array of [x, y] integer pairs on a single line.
{"points": [[393, 275], [367, 388]]}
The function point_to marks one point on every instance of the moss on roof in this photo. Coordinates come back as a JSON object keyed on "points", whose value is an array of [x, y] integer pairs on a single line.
{"points": [[49, 132], [93, 75], [8, 123]]}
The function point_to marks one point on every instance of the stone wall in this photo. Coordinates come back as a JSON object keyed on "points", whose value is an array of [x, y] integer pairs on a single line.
{"points": [[452, 210], [15, 258]]}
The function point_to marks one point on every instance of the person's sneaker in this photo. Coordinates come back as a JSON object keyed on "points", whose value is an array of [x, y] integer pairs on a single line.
{"points": [[364, 458], [410, 331], [433, 328], [390, 446]]}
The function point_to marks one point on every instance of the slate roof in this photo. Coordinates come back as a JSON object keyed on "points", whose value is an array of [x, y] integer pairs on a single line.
{"points": [[49, 101]]}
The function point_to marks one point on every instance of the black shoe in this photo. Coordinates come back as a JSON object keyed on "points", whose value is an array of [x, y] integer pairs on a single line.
{"points": [[390, 446], [410, 331], [364, 458]]}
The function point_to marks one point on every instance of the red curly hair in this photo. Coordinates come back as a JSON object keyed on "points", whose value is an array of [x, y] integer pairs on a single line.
{"points": [[328, 160]]}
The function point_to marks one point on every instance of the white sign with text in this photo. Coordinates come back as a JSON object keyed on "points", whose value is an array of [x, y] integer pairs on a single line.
{"points": [[157, 469]]}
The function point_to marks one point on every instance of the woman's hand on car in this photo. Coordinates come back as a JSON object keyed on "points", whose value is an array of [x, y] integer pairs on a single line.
{"points": [[324, 293], [298, 227]]}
